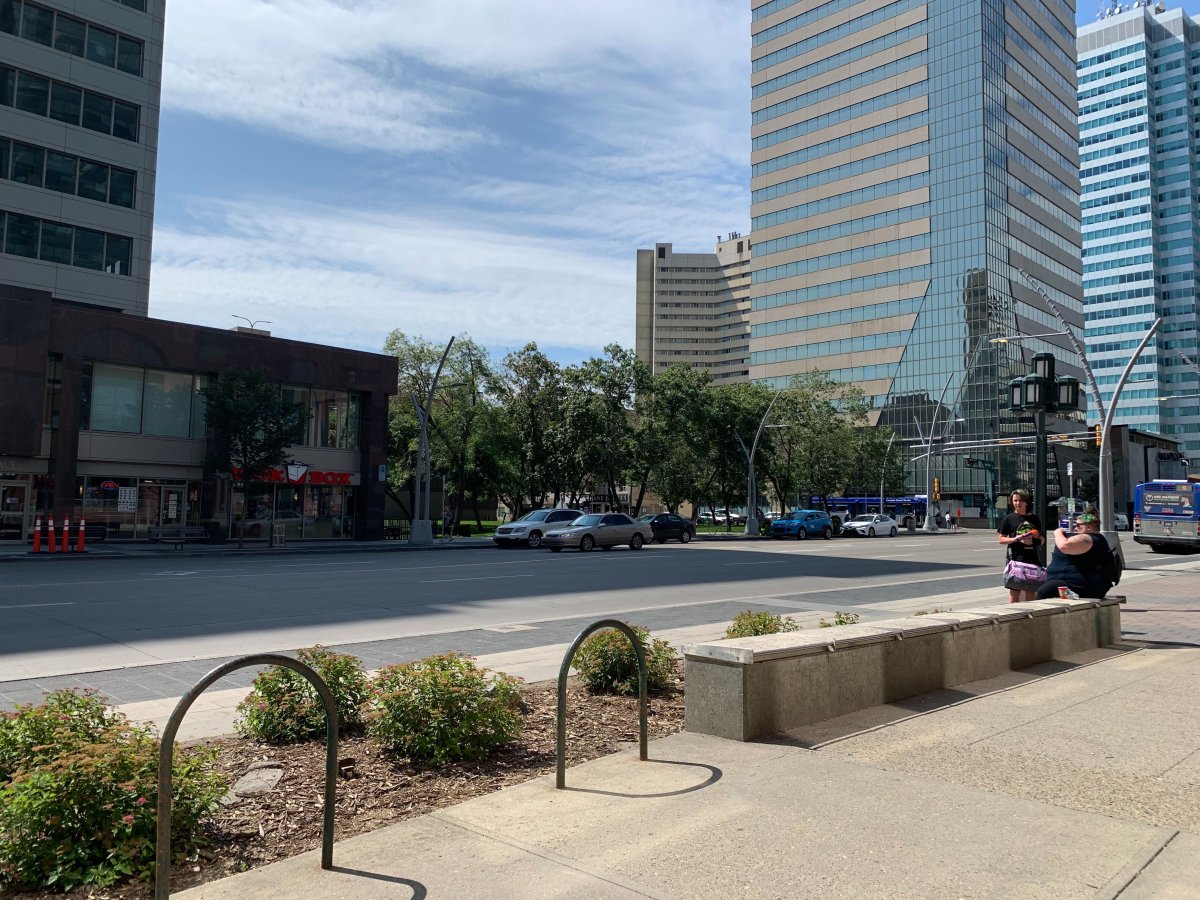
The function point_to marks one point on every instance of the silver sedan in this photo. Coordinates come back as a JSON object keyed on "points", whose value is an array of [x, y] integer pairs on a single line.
{"points": [[603, 530]]}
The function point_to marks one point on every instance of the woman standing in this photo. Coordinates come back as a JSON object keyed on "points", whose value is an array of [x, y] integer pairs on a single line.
{"points": [[1022, 533]]}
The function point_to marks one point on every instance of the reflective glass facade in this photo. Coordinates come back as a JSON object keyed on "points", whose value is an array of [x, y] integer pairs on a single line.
{"points": [[1139, 124], [927, 154]]}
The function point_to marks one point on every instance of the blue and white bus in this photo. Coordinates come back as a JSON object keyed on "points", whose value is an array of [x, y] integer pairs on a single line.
{"points": [[1166, 514]]}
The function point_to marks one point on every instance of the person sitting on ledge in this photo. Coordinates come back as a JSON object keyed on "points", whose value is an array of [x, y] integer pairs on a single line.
{"points": [[1078, 561]]}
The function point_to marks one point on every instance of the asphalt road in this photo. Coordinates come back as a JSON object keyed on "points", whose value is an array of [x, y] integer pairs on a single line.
{"points": [[111, 614]]}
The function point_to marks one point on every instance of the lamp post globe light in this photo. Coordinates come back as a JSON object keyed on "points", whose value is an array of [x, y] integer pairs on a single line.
{"points": [[1040, 392]]}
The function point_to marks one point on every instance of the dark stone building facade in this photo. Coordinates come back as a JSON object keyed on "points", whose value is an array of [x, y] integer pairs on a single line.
{"points": [[101, 417]]}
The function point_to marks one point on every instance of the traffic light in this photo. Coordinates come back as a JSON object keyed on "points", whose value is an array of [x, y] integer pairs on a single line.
{"points": [[1099, 434], [937, 488]]}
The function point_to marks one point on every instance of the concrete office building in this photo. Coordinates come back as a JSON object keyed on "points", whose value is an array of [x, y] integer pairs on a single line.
{"points": [[908, 160], [691, 308], [79, 104], [1139, 124]]}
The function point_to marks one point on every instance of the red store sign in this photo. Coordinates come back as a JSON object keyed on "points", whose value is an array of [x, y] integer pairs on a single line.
{"points": [[302, 475]]}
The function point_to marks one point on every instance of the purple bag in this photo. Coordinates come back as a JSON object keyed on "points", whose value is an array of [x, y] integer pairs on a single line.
{"points": [[1023, 573]]}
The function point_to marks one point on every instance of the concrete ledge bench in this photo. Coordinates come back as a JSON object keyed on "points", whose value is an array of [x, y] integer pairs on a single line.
{"points": [[747, 688], [176, 534]]}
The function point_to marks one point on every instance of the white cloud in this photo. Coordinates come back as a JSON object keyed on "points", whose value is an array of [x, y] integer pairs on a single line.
{"points": [[510, 158], [339, 277]]}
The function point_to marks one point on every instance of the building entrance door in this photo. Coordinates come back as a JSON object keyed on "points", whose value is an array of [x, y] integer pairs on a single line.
{"points": [[14, 510], [172, 509]]}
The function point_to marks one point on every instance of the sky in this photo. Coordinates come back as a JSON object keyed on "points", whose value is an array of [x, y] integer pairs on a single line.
{"points": [[343, 168]]}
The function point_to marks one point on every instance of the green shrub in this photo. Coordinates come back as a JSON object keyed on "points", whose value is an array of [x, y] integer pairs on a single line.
{"points": [[607, 664], [443, 708], [748, 623], [840, 618], [81, 810], [284, 708], [63, 722]]}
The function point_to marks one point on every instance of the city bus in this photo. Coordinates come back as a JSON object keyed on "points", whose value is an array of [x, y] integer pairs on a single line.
{"points": [[1166, 514]]}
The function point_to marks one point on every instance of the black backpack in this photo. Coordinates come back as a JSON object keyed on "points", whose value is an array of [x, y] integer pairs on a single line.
{"points": [[1110, 567]]}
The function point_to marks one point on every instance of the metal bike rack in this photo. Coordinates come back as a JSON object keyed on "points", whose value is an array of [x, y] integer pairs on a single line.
{"points": [[561, 749], [162, 849]]}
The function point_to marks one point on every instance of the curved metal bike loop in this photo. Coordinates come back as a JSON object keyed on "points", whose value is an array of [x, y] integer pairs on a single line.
{"points": [[162, 849], [561, 750]]}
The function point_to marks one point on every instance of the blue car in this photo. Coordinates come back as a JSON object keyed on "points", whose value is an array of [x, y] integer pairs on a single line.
{"points": [[802, 524]]}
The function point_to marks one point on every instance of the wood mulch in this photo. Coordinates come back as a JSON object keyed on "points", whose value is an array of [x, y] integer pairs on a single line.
{"points": [[383, 788]]}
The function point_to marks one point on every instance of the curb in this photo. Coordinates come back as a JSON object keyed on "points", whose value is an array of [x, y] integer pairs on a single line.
{"points": [[389, 547]]}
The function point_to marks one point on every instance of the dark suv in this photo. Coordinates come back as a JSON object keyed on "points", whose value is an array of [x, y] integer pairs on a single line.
{"points": [[528, 529]]}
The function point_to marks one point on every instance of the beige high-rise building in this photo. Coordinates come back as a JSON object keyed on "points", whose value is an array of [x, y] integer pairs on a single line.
{"points": [[908, 160], [691, 308], [79, 101]]}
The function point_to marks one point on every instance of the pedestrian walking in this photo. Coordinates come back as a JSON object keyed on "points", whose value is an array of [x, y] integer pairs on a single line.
{"points": [[1081, 561], [447, 523], [951, 523], [1022, 533]]}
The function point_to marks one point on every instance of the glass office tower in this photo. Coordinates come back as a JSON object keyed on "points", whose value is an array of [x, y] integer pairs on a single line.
{"points": [[1139, 124], [908, 160]]}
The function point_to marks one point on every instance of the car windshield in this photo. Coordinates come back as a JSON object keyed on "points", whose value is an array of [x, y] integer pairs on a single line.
{"points": [[645, 518], [587, 521], [538, 515], [863, 518], [795, 514]]}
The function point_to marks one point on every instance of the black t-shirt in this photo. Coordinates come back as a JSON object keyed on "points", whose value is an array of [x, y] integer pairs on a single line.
{"points": [[1082, 571], [1016, 524]]}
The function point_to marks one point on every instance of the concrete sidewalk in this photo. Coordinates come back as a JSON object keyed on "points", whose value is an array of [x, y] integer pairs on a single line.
{"points": [[1074, 780]]}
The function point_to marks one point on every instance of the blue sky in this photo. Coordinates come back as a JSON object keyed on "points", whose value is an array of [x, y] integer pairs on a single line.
{"points": [[346, 167]]}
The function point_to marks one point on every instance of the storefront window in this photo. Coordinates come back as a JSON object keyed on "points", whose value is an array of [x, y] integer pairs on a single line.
{"points": [[167, 408], [128, 507], [333, 420], [116, 399], [312, 512]]}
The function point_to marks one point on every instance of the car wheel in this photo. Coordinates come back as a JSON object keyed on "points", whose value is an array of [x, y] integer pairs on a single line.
{"points": [[534, 540], [892, 533], [870, 532], [802, 534], [685, 537], [586, 543], [556, 549], [1158, 548], [828, 532], [635, 542]]}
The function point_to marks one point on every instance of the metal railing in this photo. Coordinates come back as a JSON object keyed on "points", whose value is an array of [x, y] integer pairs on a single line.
{"points": [[162, 858], [639, 651], [396, 529]]}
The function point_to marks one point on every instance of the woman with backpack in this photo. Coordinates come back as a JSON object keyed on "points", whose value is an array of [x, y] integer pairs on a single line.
{"points": [[1082, 562]]}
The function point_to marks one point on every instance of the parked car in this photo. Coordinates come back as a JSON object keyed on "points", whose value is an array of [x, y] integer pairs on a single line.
{"points": [[707, 518], [802, 524], [668, 526], [733, 518], [870, 524], [1120, 521], [603, 530], [531, 527]]}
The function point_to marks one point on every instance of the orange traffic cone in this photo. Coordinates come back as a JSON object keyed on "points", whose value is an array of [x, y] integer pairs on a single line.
{"points": [[79, 536], [51, 548], [37, 535], [66, 544]]}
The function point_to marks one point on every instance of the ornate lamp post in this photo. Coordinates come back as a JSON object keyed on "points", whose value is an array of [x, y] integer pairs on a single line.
{"points": [[1040, 392]]}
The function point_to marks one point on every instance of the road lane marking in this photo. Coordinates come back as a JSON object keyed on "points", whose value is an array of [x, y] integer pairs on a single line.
{"points": [[34, 605], [759, 562], [476, 578]]}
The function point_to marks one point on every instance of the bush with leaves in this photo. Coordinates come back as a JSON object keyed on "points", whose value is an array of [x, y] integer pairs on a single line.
{"points": [[840, 618], [608, 665], [443, 709], [80, 809], [748, 623], [284, 708]]}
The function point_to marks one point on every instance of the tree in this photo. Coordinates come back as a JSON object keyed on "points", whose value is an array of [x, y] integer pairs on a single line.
{"points": [[252, 428], [532, 392], [831, 415], [673, 443]]}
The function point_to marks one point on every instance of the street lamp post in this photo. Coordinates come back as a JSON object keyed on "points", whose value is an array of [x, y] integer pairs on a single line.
{"points": [[421, 529], [751, 485], [1039, 392], [1107, 527]]}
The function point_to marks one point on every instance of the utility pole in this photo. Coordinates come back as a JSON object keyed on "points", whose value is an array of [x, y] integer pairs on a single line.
{"points": [[421, 529]]}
